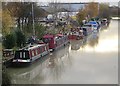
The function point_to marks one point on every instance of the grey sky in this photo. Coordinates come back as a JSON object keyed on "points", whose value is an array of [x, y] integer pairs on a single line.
{"points": [[110, 1], [115, 2]]}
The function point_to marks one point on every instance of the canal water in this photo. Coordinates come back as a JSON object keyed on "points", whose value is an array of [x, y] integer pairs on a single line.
{"points": [[93, 60]]}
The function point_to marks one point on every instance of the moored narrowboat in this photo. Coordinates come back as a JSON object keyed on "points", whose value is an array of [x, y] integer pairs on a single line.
{"points": [[55, 41], [104, 21], [86, 30], [76, 34], [30, 53]]}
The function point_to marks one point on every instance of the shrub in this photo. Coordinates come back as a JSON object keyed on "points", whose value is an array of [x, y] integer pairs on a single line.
{"points": [[40, 30], [20, 38], [9, 41]]}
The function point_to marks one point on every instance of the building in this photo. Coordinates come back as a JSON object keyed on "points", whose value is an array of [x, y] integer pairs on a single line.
{"points": [[64, 8]]}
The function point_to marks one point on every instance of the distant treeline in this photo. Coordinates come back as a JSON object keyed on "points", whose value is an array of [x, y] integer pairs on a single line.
{"points": [[114, 11]]}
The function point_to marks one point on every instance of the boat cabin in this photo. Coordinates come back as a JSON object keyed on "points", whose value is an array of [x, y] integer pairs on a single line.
{"points": [[30, 53], [55, 41]]}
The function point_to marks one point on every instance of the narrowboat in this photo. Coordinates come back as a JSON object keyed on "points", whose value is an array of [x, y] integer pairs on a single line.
{"points": [[90, 26], [33, 74], [55, 41], [76, 34], [95, 24], [30, 53], [86, 30], [104, 21]]}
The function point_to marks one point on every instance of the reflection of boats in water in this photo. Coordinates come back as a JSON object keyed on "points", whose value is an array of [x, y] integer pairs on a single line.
{"points": [[57, 62], [76, 44], [26, 75], [59, 55], [105, 26], [92, 40], [41, 69]]}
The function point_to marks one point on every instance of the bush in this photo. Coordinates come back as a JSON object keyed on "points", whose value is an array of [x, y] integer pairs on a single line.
{"points": [[40, 30], [104, 11], [20, 38], [81, 16], [9, 41]]}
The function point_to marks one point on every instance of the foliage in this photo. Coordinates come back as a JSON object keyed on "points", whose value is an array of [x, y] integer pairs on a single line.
{"points": [[9, 41], [20, 38], [68, 27], [73, 17], [92, 9], [87, 12], [7, 22], [81, 16], [28, 30], [39, 30], [22, 11], [53, 31], [104, 10]]}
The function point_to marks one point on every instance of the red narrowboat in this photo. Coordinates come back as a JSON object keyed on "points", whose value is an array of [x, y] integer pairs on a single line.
{"points": [[55, 41], [30, 53], [76, 34]]}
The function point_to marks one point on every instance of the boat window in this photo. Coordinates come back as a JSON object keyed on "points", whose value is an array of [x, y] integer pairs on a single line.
{"points": [[94, 25], [27, 55], [104, 20], [46, 40], [20, 54], [88, 25], [23, 54], [36, 51], [32, 53]]}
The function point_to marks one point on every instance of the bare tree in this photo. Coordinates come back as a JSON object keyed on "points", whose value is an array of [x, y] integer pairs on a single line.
{"points": [[54, 7]]}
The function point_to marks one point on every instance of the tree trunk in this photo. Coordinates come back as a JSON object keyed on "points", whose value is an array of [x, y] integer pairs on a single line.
{"points": [[18, 20]]}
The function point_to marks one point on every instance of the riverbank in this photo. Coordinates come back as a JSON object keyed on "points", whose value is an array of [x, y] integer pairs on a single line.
{"points": [[116, 18]]}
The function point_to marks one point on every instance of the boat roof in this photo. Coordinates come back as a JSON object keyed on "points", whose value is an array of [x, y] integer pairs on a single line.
{"points": [[104, 19], [85, 27], [92, 22], [59, 35], [32, 46], [48, 36]]}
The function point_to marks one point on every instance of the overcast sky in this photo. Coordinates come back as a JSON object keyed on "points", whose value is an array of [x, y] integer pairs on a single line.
{"points": [[112, 2]]}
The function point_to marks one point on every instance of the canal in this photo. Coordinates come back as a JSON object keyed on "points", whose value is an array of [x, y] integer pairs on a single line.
{"points": [[93, 60]]}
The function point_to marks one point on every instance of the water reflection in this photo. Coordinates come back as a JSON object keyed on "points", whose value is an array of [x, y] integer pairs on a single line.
{"points": [[56, 64], [27, 75], [104, 28], [52, 65], [76, 44], [105, 41], [91, 40], [92, 60], [94, 39]]}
